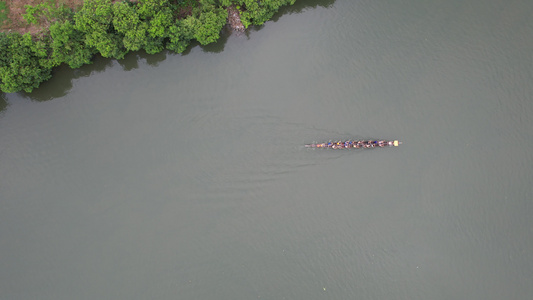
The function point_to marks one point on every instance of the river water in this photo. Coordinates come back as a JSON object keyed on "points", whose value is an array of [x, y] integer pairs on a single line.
{"points": [[185, 176]]}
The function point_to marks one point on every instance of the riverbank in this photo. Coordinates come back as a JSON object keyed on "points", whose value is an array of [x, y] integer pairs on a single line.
{"points": [[48, 34]]}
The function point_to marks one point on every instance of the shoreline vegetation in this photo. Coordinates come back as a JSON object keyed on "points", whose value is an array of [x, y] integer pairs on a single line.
{"points": [[39, 36]]}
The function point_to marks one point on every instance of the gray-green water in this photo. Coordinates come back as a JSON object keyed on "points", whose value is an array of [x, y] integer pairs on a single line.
{"points": [[184, 176]]}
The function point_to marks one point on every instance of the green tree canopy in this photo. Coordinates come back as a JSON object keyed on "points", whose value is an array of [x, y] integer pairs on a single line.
{"points": [[23, 64], [209, 24], [95, 21], [127, 23], [68, 45]]}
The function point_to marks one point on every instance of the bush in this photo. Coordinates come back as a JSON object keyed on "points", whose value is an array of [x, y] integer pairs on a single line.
{"points": [[23, 63]]}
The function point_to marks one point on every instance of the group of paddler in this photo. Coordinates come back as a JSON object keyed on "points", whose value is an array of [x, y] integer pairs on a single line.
{"points": [[355, 144]]}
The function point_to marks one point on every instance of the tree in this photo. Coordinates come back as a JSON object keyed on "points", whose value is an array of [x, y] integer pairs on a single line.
{"points": [[144, 24], [68, 45], [180, 35], [158, 16], [127, 22], [95, 21], [209, 25]]}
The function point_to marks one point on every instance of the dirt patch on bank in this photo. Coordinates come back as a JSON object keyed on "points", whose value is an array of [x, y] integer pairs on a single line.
{"points": [[16, 8], [234, 19]]}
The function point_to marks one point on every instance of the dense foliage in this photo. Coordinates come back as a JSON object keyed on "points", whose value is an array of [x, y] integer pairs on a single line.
{"points": [[112, 29], [24, 63]]}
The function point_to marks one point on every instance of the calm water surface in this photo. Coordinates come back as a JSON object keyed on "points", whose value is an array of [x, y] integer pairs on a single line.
{"points": [[184, 176]]}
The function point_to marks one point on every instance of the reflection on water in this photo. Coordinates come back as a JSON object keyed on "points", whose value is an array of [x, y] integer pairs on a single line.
{"points": [[63, 76], [301, 6], [153, 60], [61, 82], [3, 102]]}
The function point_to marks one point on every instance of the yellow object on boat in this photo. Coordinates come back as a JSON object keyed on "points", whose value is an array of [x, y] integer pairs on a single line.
{"points": [[396, 143]]}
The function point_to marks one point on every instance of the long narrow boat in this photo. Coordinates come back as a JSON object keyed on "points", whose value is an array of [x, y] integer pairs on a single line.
{"points": [[356, 144]]}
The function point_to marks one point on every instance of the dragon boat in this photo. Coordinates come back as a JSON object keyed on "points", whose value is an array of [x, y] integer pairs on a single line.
{"points": [[357, 144]]}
